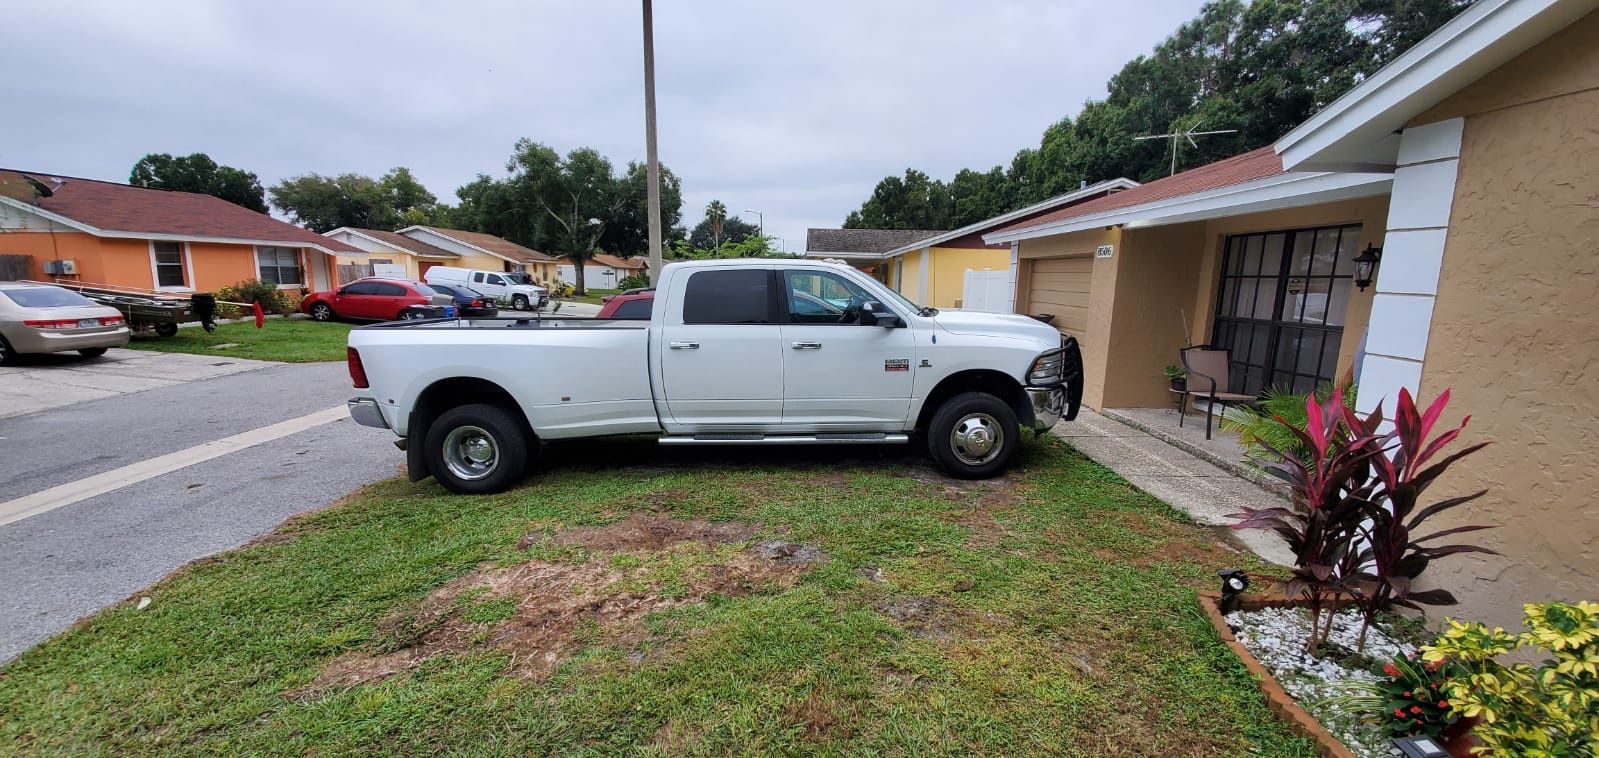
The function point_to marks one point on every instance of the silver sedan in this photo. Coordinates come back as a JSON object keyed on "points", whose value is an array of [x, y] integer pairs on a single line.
{"points": [[42, 318]]}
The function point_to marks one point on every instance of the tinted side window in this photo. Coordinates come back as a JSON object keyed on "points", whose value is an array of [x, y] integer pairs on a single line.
{"points": [[738, 296], [388, 290], [362, 288], [442, 289], [477, 277], [495, 280], [636, 309]]}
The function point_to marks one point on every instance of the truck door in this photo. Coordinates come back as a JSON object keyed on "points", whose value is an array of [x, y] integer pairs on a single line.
{"points": [[721, 362], [840, 375]]}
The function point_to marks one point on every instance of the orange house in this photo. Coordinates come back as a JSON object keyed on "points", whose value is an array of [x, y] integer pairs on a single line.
{"points": [[103, 233]]}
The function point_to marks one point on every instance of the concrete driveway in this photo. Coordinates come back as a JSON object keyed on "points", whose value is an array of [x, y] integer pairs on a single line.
{"points": [[41, 382], [168, 462]]}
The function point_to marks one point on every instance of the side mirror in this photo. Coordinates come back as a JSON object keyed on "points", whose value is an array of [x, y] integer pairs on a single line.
{"points": [[874, 313]]}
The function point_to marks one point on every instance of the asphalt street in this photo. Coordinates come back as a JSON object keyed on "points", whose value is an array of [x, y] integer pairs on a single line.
{"points": [[66, 563]]}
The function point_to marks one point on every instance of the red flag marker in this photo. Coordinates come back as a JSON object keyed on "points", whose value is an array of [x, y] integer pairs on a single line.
{"points": [[260, 315]]}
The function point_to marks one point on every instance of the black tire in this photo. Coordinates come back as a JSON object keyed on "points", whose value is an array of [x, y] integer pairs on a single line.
{"points": [[323, 312], [92, 352], [983, 419], [166, 330], [519, 302], [8, 356], [463, 430], [410, 315]]}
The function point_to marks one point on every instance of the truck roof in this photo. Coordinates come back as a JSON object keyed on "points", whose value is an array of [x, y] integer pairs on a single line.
{"points": [[707, 262]]}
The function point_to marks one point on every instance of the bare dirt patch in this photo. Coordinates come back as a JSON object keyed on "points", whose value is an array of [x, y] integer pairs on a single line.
{"points": [[540, 613], [641, 531], [935, 619]]}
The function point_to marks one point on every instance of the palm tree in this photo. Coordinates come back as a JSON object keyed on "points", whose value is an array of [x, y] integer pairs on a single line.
{"points": [[717, 213]]}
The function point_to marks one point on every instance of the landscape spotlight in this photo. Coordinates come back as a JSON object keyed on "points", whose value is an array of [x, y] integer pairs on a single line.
{"points": [[1233, 584], [1420, 746]]}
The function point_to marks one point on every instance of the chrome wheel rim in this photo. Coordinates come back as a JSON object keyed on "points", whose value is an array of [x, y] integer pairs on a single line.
{"points": [[977, 439], [321, 312], [470, 452], [407, 315]]}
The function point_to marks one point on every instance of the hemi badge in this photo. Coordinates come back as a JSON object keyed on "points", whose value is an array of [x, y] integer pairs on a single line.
{"points": [[897, 364]]}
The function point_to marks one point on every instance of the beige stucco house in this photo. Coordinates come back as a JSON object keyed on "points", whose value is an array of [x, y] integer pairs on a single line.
{"points": [[1471, 163]]}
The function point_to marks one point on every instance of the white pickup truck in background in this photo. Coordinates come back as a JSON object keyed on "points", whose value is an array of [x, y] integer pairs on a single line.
{"points": [[736, 352]]}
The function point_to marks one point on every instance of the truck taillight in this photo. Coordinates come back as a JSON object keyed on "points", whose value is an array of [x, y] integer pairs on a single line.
{"points": [[357, 371]]}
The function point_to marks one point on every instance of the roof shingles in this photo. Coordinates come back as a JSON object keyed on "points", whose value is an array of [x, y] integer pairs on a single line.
{"points": [[1246, 167], [497, 245], [129, 210], [872, 241]]}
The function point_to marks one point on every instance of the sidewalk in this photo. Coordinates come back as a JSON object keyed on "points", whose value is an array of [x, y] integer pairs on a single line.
{"points": [[1203, 490]]}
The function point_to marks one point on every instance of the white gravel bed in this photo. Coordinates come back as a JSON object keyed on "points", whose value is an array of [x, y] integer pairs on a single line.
{"points": [[1277, 637]]}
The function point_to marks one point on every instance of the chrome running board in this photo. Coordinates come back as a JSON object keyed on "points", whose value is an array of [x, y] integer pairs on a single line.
{"points": [[848, 438]]}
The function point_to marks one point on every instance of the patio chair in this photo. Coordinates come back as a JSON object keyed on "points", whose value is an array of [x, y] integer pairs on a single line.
{"points": [[1207, 369]]}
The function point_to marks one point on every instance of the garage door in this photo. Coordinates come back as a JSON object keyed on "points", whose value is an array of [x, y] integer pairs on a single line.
{"points": [[1060, 286]]}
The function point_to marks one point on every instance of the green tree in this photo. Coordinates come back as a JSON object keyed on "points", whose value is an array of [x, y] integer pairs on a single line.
{"points": [[323, 203], [734, 231], [1261, 68], [198, 173], [715, 218]]}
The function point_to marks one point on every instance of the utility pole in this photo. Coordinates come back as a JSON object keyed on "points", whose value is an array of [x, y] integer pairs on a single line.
{"points": [[649, 139]]}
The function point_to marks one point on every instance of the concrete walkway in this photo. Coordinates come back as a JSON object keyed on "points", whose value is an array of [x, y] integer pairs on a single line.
{"points": [[1203, 490]]}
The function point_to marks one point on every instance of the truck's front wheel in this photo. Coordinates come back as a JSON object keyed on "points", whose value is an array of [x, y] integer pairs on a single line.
{"points": [[519, 302], [476, 449], [973, 436]]}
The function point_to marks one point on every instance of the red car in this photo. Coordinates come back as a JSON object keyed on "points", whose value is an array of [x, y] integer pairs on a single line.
{"points": [[378, 300], [632, 304]]}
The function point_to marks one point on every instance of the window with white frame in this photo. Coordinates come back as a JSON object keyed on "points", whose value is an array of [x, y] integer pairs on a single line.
{"points": [[167, 259], [278, 265]]}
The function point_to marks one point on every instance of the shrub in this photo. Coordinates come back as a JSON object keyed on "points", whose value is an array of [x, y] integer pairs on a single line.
{"points": [[1354, 521], [271, 298], [634, 281], [1412, 698], [1550, 709], [562, 289], [1260, 430]]}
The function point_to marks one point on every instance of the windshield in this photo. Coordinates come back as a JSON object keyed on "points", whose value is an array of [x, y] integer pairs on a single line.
{"points": [[45, 297], [425, 290], [904, 301]]}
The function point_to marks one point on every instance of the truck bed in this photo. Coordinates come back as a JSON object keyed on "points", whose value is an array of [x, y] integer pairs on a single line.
{"points": [[516, 322]]}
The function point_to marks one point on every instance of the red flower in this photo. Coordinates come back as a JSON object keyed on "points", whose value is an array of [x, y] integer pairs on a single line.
{"points": [[1443, 703], [1388, 668], [1400, 712], [1407, 693], [1415, 709]]}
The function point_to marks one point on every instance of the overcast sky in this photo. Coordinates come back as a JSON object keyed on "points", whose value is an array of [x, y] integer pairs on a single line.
{"points": [[792, 108]]}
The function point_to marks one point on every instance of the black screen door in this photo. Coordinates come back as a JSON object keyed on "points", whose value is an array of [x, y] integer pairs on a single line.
{"points": [[1281, 306]]}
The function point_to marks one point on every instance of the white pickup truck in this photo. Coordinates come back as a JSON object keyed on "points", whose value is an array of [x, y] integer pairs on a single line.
{"points": [[736, 352]]}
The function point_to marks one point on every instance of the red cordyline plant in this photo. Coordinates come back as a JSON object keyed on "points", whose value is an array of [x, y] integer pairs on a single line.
{"points": [[1393, 555], [1355, 508], [1331, 492]]}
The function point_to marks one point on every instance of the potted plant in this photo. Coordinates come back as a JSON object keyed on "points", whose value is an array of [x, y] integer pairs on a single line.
{"points": [[1178, 376]]}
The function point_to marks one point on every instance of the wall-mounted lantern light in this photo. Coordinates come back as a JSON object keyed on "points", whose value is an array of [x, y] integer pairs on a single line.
{"points": [[1366, 266]]}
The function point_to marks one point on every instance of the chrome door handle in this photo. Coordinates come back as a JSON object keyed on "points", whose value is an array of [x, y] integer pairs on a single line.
{"points": [[684, 345], [807, 346]]}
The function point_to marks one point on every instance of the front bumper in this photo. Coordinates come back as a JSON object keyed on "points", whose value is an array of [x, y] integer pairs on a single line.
{"points": [[1049, 404], [365, 411]]}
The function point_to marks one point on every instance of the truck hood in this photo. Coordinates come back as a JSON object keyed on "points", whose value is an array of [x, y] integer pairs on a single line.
{"points": [[997, 325], [526, 289]]}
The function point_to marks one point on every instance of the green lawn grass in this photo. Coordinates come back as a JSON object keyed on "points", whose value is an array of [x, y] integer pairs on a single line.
{"points": [[281, 339], [1066, 624], [593, 296]]}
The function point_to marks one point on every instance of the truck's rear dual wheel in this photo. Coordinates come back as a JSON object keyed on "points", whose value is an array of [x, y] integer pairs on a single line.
{"points": [[973, 436], [477, 449]]}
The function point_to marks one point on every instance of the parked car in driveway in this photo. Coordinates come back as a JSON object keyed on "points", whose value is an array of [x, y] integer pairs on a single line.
{"points": [[735, 352], [515, 288], [469, 303], [42, 318], [379, 299], [633, 304]]}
